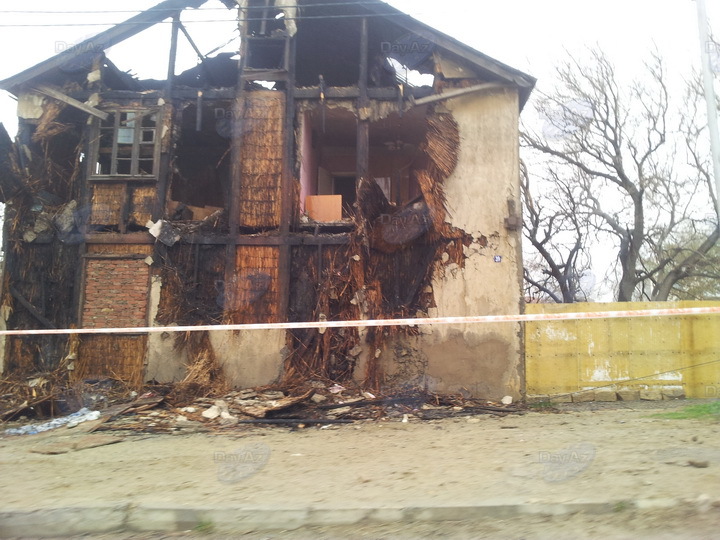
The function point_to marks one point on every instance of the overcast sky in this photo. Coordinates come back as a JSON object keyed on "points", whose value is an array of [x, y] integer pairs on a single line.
{"points": [[530, 35]]}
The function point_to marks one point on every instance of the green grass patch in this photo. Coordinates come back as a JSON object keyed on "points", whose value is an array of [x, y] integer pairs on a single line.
{"points": [[700, 411], [204, 527], [542, 406]]}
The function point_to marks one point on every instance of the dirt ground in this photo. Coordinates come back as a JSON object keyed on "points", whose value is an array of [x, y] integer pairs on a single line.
{"points": [[584, 453]]}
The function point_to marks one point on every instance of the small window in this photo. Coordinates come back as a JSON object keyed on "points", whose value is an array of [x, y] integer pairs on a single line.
{"points": [[126, 144]]}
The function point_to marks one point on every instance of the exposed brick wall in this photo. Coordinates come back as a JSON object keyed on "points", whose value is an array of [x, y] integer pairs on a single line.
{"points": [[116, 293]]}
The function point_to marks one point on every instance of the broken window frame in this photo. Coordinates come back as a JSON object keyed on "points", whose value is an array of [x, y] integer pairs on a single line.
{"points": [[123, 122]]}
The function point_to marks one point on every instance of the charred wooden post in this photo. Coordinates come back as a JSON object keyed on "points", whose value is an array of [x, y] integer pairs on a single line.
{"points": [[288, 182], [164, 169], [238, 112], [363, 126]]}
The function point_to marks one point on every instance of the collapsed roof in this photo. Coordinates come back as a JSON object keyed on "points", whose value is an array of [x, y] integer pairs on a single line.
{"points": [[321, 47]]}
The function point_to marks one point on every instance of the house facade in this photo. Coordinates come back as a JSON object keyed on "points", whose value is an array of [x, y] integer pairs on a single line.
{"points": [[349, 163]]}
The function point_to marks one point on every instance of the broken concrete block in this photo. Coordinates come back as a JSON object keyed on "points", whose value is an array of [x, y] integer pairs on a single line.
{"points": [[581, 397], [227, 419], [673, 393], [211, 413], [605, 394], [507, 400], [627, 394], [65, 219], [561, 398], [650, 395], [537, 398], [221, 405], [163, 231]]}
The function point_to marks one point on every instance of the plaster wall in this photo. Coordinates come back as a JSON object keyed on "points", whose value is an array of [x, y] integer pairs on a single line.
{"points": [[164, 362], [250, 357], [483, 360]]}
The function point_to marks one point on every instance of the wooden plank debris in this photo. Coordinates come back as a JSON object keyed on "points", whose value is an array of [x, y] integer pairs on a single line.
{"points": [[261, 410]]}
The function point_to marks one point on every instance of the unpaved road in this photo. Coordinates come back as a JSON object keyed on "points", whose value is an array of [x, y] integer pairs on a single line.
{"points": [[593, 453]]}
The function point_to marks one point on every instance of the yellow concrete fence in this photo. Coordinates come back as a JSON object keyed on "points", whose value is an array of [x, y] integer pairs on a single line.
{"points": [[680, 352]]}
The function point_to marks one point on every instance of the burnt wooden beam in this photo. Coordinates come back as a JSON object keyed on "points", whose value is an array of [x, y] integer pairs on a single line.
{"points": [[124, 208], [351, 92], [141, 238], [35, 312], [363, 80], [296, 421], [238, 112], [449, 94], [265, 75], [287, 195], [112, 256], [363, 125], [56, 94], [186, 93], [165, 158], [103, 40], [172, 57], [116, 238], [201, 57]]}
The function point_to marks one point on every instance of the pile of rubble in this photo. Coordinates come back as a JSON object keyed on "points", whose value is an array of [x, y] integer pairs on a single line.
{"points": [[316, 404]]}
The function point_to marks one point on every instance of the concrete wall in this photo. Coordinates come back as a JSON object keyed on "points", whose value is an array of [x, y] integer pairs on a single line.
{"points": [[480, 360], [657, 354], [164, 362], [250, 357]]}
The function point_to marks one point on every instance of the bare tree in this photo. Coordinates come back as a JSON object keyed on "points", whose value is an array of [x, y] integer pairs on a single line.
{"points": [[634, 169], [558, 235]]}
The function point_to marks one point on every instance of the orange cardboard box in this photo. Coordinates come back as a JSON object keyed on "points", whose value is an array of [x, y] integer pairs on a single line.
{"points": [[324, 208]]}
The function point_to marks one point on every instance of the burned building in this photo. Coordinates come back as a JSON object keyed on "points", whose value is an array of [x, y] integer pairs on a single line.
{"points": [[348, 163]]}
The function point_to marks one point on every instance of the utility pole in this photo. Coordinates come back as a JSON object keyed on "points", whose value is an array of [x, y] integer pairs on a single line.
{"points": [[708, 84]]}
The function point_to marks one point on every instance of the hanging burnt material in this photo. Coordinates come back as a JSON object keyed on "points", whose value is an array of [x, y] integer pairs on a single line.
{"points": [[441, 147], [406, 242], [192, 288], [40, 274], [48, 125], [381, 274], [10, 176], [322, 290], [191, 294], [393, 232], [204, 375]]}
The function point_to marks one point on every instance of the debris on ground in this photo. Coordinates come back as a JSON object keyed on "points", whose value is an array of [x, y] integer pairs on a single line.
{"points": [[162, 409], [71, 420]]}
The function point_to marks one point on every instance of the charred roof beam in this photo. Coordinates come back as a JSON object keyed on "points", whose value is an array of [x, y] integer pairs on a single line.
{"points": [[103, 40]]}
